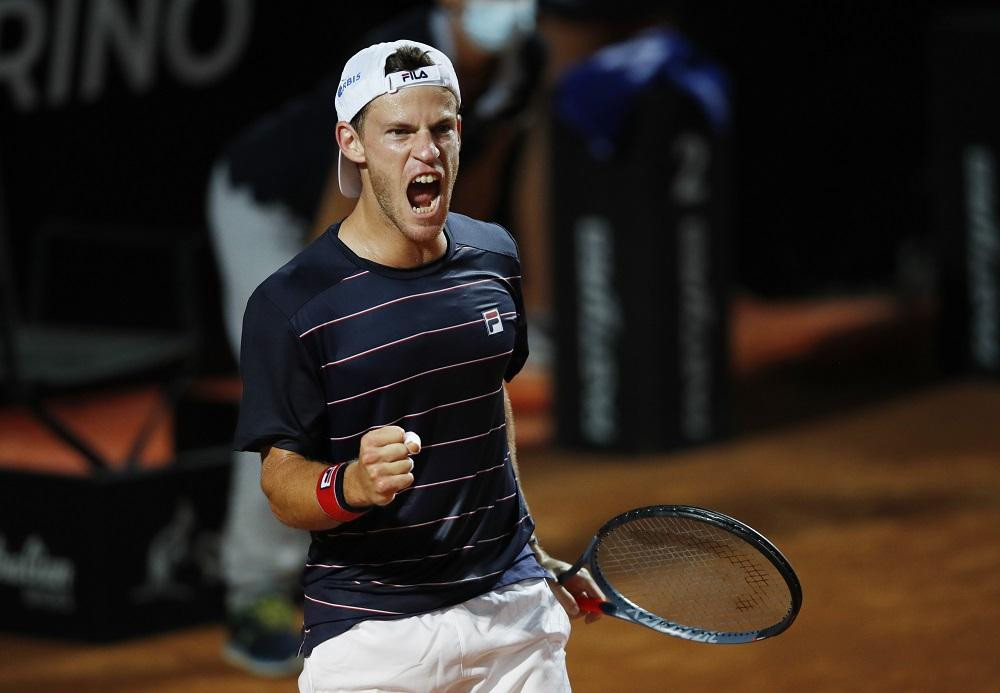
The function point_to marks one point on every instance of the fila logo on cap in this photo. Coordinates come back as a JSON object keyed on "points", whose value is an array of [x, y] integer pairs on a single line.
{"points": [[494, 325], [431, 74], [415, 75]]}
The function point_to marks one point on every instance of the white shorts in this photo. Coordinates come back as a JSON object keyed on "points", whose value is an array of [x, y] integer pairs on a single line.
{"points": [[512, 639]]}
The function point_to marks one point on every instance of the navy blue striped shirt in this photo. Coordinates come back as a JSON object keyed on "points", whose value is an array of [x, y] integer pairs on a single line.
{"points": [[335, 345]]}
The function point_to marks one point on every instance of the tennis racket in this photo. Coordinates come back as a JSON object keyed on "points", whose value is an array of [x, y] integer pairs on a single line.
{"points": [[690, 573]]}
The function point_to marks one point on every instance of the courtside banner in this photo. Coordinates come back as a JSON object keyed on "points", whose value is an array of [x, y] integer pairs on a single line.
{"points": [[641, 287], [100, 558], [965, 184]]}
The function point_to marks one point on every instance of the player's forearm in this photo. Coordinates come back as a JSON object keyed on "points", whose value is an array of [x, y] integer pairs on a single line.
{"points": [[289, 481], [292, 485]]}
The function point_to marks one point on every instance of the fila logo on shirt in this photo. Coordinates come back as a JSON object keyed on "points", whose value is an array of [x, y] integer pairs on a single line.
{"points": [[494, 325]]}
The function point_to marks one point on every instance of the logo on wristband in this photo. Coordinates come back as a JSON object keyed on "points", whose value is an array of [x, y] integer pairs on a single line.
{"points": [[327, 478]]}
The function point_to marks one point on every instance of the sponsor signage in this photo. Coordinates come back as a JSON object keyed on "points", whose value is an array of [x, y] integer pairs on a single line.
{"points": [[640, 290], [965, 182], [112, 556]]}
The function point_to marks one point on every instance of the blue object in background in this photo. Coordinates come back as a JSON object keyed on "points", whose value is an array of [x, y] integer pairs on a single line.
{"points": [[594, 97]]}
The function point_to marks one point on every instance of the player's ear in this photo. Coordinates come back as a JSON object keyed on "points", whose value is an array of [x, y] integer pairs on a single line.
{"points": [[458, 128], [350, 143]]}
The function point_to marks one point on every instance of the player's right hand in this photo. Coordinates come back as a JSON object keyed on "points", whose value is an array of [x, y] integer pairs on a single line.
{"points": [[383, 469]]}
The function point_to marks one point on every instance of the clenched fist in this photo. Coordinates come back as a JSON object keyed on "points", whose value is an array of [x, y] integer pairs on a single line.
{"points": [[383, 468]]}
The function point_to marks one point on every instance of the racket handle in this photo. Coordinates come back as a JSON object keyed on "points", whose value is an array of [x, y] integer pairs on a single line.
{"points": [[591, 605]]}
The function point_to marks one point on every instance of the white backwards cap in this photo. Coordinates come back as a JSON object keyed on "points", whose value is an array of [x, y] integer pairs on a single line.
{"points": [[364, 80]]}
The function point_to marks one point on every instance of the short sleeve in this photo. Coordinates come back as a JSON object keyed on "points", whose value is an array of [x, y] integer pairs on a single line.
{"points": [[283, 402], [520, 353]]}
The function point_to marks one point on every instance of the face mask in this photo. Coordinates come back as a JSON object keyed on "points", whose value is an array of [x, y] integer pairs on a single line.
{"points": [[494, 24]]}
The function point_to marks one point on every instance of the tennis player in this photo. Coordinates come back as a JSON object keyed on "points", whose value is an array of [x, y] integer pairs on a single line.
{"points": [[423, 570], [275, 188]]}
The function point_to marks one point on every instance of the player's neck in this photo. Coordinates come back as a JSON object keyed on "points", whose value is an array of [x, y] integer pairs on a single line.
{"points": [[372, 235]]}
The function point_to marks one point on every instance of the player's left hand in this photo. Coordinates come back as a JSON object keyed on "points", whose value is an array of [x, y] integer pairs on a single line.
{"points": [[580, 585]]}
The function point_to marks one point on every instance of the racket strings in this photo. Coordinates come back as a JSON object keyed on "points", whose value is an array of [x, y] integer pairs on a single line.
{"points": [[693, 573]]}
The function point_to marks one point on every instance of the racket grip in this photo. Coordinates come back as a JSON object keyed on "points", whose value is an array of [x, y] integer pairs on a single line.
{"points": [[590, 604]]}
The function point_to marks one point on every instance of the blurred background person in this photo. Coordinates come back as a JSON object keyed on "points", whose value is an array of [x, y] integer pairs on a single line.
{"points": [[275, 188], [631, 199]]}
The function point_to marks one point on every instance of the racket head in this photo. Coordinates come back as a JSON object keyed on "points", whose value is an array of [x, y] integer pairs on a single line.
{"points": [[695, 574]]}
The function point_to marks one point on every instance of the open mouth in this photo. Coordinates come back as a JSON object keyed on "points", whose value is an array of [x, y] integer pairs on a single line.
{"points": [[424, 193]]}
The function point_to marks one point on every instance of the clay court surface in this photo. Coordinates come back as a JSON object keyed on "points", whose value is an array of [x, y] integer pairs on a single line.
{"points": [[880, 483], [890, 514]]}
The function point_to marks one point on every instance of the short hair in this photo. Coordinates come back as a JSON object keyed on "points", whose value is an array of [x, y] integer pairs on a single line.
{"points": [[405, 58]]}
